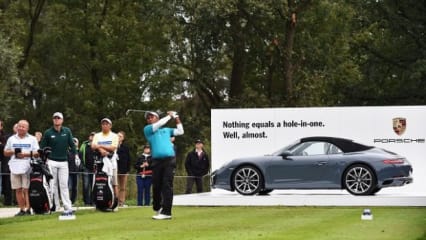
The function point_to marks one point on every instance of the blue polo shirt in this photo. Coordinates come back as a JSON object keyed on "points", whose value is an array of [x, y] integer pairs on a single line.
{"points": [[161, 145]]}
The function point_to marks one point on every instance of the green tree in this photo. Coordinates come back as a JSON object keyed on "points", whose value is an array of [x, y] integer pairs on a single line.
{"points": [[390, 48], [9, 57]]}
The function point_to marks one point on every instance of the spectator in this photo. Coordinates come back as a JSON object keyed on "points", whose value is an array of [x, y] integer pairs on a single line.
{"points": [[74, 169], [38, 135], [106, 142], [144, 177], [21, 147], [86, 154], [163, 164], [123, 153], [197, 165], [6, 188], [59, 138]]}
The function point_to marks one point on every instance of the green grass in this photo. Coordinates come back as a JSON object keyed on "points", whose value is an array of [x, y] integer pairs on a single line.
{"points": [[226, 223]]}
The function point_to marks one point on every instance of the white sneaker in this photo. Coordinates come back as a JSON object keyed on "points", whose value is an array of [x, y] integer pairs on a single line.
{"points": [[159, 211], [162, 217], [67, 215]]}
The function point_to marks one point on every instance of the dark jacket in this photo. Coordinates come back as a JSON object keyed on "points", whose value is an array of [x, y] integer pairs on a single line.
{"points": [[4, 160], [147, 171], [197, 165], [123, 162], [86, 156]]}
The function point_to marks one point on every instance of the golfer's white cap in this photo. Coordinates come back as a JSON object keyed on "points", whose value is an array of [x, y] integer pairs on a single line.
{"points": [[106, 120], [151, 113], [59, 115]]}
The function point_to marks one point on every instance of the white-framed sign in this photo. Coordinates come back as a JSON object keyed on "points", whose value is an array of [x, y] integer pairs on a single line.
{"points": [[258, 131]]}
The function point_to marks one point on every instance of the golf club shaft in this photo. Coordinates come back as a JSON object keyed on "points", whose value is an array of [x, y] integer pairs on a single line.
{"points": [[135, 110]]}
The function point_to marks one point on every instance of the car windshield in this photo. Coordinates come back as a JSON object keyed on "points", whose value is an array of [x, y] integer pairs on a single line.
{"points": [[286, 148]]}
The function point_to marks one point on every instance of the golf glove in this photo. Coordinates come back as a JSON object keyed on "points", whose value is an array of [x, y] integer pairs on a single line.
{"points": [[175, 114]]}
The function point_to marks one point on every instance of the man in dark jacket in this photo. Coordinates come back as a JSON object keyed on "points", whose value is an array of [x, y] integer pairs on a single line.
{"points": [[86, 154], [123, 165], [197, 165], [6, 188], [144, 176]]}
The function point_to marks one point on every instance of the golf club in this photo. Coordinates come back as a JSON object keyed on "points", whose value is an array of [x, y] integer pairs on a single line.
{"points": [[135, 110], [128, 111]]}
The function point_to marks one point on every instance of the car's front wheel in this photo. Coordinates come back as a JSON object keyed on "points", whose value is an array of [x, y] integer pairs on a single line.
{"points": [[359, 179], [247, 180], [265, 191]]}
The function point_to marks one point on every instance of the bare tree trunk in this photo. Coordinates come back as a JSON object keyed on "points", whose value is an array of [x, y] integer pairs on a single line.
{"points": [[294, 8], [288, 52], [238, 61], [34, 15]]}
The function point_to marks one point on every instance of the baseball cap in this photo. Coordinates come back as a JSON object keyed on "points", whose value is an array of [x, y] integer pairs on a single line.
{"points": [[151, 113], [198, 141], [59, 115], [106, 120]]}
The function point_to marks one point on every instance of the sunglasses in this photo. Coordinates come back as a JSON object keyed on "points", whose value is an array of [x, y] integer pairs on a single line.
{"points": [[56, 118]]}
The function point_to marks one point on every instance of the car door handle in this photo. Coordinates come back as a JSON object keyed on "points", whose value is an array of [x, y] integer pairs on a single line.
{"points": [[320, 163]]}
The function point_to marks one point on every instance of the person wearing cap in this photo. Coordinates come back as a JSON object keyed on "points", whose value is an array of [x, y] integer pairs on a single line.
{"points": [[197, 165], [163, 160], [86, 155], [144, 177], [59, 139], [106, 142]]}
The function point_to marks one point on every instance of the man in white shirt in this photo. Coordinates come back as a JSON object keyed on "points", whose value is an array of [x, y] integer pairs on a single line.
{"points": [[21, 147]]}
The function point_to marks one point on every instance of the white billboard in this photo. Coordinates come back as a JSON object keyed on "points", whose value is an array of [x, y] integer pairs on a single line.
{"points": [[253, 132]]}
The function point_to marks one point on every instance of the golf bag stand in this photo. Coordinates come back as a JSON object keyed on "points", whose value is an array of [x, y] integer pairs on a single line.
{"points": [[40, 176], [102, 190]]}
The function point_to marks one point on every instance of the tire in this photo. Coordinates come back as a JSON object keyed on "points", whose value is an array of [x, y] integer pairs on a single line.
{"points": [[359, 179], [376, 190], [247, 180], [265, 191]]}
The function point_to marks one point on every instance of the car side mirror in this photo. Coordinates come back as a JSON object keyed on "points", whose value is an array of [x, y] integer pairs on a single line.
{"points": [[286, 154]]}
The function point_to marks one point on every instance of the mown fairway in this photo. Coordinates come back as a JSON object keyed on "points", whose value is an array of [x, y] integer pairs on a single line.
{"points": [[225, 223]]}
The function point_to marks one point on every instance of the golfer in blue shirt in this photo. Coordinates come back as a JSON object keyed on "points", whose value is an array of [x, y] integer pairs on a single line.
{"points": [[163, 163]]}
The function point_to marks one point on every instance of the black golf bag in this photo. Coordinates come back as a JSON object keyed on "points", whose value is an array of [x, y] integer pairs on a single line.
{"points": [[102, 190], [39, 192]]}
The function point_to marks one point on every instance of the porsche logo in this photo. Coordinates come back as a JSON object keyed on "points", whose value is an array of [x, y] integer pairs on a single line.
{"points": [[399, 125]]}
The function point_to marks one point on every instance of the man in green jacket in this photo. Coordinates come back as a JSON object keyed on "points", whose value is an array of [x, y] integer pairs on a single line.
{"points": [[59, 138]]}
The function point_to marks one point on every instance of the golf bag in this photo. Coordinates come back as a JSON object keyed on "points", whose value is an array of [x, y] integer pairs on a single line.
{"points": [[102, 190], [39, 192]]}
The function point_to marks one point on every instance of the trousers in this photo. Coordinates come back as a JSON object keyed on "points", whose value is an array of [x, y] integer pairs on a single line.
{"points": [[60, 174], [163, 171]]}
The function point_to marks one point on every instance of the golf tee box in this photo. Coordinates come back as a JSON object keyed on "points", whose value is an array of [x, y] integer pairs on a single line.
{"points": [[68, 217], [367, 215]]}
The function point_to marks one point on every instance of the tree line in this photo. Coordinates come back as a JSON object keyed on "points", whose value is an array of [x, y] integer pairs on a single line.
{"points": [[98, 58]]}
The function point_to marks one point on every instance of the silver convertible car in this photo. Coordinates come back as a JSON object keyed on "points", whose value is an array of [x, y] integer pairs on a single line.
{"points": [[316, 163]]}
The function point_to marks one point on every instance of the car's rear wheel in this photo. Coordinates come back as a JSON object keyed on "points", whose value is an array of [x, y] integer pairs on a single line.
{"points": [[359, 179], [247, 180]]}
